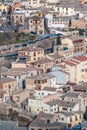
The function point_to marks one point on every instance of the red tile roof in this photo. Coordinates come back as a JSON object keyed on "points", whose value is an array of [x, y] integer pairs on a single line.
{"points": [[81, 58], [70, 63]]}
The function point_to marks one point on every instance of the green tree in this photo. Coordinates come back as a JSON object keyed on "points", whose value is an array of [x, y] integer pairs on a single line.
{"points": [[85, 115], [58, 40]]}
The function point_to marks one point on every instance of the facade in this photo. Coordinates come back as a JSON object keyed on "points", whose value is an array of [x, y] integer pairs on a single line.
{"points": [[17, 4], [20, 96], [7, 87], [36, 24], [39, 82], [74, 68], [44, 65], [56, 58], [19, 74], [51, 107], [54, 22], [3, 8], [30, 55], [45, 92], [18, 18], [62, 106], [35, 3], [79, 97], [71, 118], [46, 121], [61, 75], [78, 44], [10, 125]]}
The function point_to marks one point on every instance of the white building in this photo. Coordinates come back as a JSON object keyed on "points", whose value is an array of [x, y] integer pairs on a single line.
{"points": [[19, 74]]}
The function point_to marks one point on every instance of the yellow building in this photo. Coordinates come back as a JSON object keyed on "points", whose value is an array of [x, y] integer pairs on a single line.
{"points": [[3, 8], [71, 119]]}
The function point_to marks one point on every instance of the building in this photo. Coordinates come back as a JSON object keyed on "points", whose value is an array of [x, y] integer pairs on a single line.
{"points": [[20, 95], [36, 24], [18, 18], [58, 105], [3, 8], [71, 118], [52, 107], [46, 121], [56, 58], [79, 23], [59, 22], [82, 1], [78, 43], [61, 75], [45, 92], [77, 97], [29, 55], [10, 125], [35, 3], [75, 70], [44, 65], [39, 82], [7, 87], [19, 74], [17, 4]]}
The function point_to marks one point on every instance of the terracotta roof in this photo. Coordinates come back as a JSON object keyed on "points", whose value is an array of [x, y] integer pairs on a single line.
{"points": [[69, 63], [81, 58], [75, 61], [62, 66]]}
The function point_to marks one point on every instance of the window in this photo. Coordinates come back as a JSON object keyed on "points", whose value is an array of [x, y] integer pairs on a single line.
{"points": [[16, 16], [80, 116], [64, 108], [35, 81], [48, 120], [70, 119], [42, 93], [62, 119], [70, 109], [38, 81], [38, 65], [76, 117], [32, 129]]}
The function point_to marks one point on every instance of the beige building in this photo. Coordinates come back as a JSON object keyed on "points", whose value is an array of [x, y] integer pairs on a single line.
{"points": [[7, 87], [56, 58], [71, 118], [30, 54], [66, 49], [39, 82], [46, 122], [76, 68], [44, 65], [36, 24], [20, 95], [34, 3], [77, 44], [18, 18]]}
